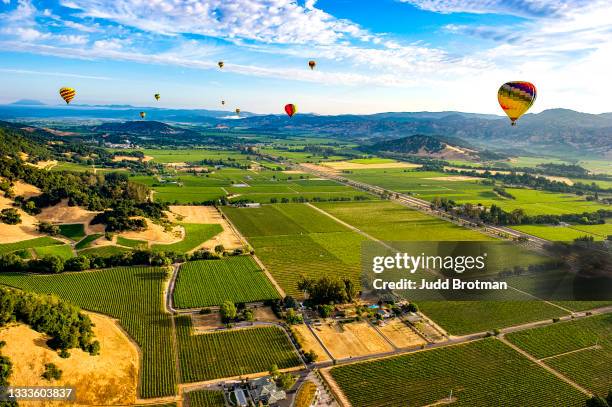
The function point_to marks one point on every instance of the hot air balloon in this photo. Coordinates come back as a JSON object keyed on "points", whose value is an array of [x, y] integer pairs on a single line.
{"points": [[67, 94], [312, 64], [237, 111], [143, 115], [157, 96], [291, 109], [516, 98], [220, 63]]}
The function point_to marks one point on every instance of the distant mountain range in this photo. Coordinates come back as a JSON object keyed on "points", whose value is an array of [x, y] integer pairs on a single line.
{"points": [[560, 131]]}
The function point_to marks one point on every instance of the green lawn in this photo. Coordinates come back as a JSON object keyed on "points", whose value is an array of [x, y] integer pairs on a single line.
{"points": [[480, 374], [590, 342], [210, 282], [75, 231], [28, 244], [195, 235]]}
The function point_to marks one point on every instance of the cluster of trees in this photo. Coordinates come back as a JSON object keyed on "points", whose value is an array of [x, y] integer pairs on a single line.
{"points": [[228, 162], [231, 312], [128, 215], [502, 192], [52, 264], [324, 151], [62, 321], [597, 401], [303, 199], [327, 290], [497, 216], [10, 216]]}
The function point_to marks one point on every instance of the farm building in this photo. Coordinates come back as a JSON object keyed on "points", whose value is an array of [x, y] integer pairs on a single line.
{"points": [[264, 390]]}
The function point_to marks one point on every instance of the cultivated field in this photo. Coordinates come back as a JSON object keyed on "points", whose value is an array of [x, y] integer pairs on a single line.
{"points": [[195, 236], [476, 373], [567, 233], [206, 398], [28, 244], [308, 342], [131, 294], [208, 215], [581, 350], [398, 332], [351, 339], [210, 282], [231, 353], [294, 239]]}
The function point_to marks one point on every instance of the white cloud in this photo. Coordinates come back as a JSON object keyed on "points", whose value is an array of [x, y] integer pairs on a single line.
{"points": [[61, 74]]}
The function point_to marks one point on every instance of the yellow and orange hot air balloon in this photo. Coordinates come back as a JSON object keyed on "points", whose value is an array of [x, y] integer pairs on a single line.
{"points": [[312, 64], [157, 96], [515, 98], [220, 63], [290, 109], [67, 94], [143, 115]]}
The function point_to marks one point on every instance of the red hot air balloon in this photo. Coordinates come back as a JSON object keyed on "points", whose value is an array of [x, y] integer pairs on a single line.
{"points": [[291, 109]]}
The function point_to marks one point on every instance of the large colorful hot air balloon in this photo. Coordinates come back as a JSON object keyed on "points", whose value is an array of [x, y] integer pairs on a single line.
{"points": [[220, 63], [237, 111], [291, 109], [157, 96], [312, 64], [67, 94], [143, 115], [516, 98]]}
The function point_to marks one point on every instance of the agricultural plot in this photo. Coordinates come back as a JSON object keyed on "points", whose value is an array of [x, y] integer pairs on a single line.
{"points": [[104, 251], [193, 155], [480, 372], [429, 184], [74, 231], [567, 233], [231, 353], [350, 340], [206, 398], [581, 349], [131, 294], [28, 244], [87, 241], [133, 243], [195, 235], [210, 282], [63, 251], [295, 239]]}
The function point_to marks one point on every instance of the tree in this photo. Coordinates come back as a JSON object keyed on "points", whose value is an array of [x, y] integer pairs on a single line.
{"points": [[310, 356], [293, 317], [350, 289], [596, 401], [228, 311], [274, 372], [78, 263], [219, 249], [10, 216], [609, 398], [48, 228], [286, 381], [325, 290]]}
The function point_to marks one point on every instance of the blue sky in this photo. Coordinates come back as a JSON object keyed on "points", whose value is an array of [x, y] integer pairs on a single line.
{"points": [[372, 55]]}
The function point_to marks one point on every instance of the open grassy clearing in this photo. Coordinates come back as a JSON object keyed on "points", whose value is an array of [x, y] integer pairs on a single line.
{"points": [[63, 251], [74, 231], [195, 235], [131, 294], [231, 353], [210, 282], [87, 240], [430, 184], [581, 349], [133, 243], [294, 239], [28, 244], [480, 374], [104, 251]]}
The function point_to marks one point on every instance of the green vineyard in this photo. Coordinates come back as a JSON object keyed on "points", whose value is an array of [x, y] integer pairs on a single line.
{"points": [[231, 353], [478, 374], [131, 294], [210, 282], [206, 398], [581, 349]]}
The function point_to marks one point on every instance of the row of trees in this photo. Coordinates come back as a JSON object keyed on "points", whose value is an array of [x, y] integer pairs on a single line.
{"points": [[62, 321]]}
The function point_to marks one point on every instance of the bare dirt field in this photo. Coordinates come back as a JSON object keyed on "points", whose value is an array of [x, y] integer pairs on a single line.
{"points": [[16, 233], [264, 314], [350, 340], [202, 323], [565, 180], [400, 334], [208, 215], [118, 158], [156, 234], [346, 165], [45, 165], [63, 213], [109, 378], [309, 342], [26, 190]]}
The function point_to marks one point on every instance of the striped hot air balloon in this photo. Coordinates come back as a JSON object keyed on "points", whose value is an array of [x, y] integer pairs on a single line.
{"points": [[67, 94], [515, 98], [291, 109], [156, 96], [220, 63]]}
